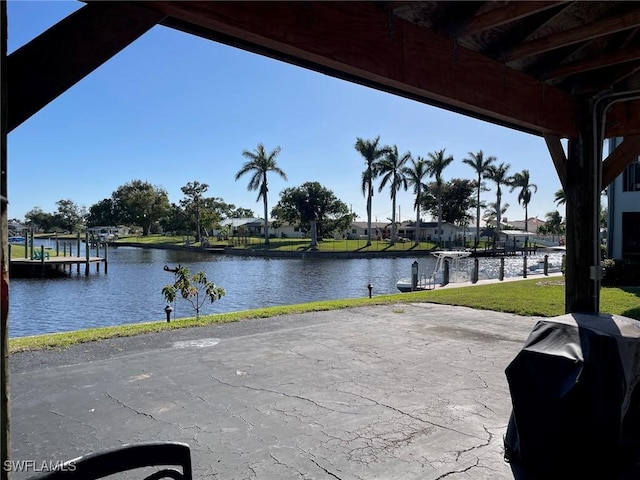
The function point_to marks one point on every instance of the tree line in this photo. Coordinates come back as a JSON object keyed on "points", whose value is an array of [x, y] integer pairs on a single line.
{"points": [[447, 201], [311, 206]]}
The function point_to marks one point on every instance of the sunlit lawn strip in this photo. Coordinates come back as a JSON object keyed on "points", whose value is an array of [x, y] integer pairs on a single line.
{"points": [[285, 244], [528, 297], [66, 339], [533, 297]]}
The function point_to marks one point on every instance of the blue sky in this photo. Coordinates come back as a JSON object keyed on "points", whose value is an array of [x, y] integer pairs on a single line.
{"points": [[173, 108]]}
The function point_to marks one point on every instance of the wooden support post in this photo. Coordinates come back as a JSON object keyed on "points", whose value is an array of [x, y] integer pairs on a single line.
{"points": [[106, 257], [476, 270], [78, 251], [87, 251], [582, 276], [5, 424], [546, 265], [98, 253]]}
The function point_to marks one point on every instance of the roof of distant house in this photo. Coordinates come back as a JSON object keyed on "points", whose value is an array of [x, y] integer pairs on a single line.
{"points": [[242, 221]]}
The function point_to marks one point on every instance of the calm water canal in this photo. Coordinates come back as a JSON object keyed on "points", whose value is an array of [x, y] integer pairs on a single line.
{"points": [[131, 291]]}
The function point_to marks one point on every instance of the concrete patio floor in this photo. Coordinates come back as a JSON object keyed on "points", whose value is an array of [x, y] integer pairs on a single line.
{"points": [[406, 391]]}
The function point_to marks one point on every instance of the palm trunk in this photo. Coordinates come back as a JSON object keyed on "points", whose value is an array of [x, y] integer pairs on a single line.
{"points": [[418, 218], [370, 194], [498, 210], [526, 218], [393, 220], [478, 214], [266, 221], [439, 218]]}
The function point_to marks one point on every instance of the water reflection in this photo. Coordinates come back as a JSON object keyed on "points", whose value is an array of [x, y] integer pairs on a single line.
{"points": [[131, 292]]}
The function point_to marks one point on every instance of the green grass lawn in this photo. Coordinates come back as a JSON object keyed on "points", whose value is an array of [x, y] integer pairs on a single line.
{"points": [[285, 244], [538, 297], [534, 297]]}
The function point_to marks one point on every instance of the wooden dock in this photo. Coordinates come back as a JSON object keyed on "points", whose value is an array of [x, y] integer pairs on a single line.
{"points": [[53, 266]]}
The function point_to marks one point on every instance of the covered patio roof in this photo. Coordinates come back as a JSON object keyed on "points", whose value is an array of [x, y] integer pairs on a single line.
{"points": [[558, 69]]}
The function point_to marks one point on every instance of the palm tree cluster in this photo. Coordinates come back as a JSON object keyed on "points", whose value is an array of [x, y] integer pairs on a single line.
{"points": [[401, 171]]}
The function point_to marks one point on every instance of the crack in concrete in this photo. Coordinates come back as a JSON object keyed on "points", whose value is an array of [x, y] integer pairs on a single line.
{"points": [[414, 417], [137, 412], [283, 394], [303, 355], [486, 443], [73, 419], [289, 467], [464, 470], [325, 470]]}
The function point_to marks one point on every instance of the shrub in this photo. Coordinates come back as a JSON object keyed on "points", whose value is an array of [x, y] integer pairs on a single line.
{"points": [[619, 273], [194, 288]]}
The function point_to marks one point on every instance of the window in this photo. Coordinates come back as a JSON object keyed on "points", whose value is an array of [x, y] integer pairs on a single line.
{"points": [[631, 235], [631, 178]]}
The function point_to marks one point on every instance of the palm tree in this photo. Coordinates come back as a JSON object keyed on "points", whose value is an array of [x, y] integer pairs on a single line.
{"points": [[492, 211], [498, 174], [521, 180], [415, 174], [553, 223], [559, 197], [481, 166], [259, 164], [391, 169], [436, 164], [372, 153]]}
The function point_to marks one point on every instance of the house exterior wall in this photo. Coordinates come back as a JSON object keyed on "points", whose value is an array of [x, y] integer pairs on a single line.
{"points": [[287, 231], [623, 222], [360, 229], [429, 231]]}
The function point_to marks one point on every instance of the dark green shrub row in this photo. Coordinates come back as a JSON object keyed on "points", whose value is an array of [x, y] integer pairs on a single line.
{"points": [[621, 273]]}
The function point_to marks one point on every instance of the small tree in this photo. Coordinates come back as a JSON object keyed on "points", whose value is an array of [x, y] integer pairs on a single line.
{"points": [[194, 288]]}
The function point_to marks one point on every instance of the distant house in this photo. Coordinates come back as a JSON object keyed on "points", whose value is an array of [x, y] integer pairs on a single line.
{"points": [[515, 238], [108, 233], [532, 224], [360, 230], [287, 230], [247, 226], [429, 231], [16, 228], [623, 223]]}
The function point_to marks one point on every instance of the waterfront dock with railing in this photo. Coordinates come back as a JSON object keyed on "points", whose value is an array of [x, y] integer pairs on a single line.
{"points": [[40, 261], [53, 266]]}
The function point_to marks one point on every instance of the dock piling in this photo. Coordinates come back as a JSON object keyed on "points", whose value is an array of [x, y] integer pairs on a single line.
{"points": [[78, 251], [87, 253]]}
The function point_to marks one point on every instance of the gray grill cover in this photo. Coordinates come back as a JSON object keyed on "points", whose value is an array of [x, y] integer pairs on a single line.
{"points": [[575, 405]]}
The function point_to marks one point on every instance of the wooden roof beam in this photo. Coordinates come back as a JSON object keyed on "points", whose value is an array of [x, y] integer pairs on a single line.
{"points": [[595, 62], [510, 12], [624, 154], [50, 64], [558, 156], [599, 28]]}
